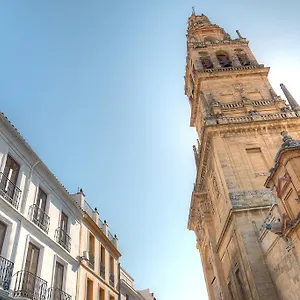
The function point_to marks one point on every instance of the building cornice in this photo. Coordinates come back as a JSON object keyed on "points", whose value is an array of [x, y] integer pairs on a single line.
{"points": [[13, 130], [210, 74], [91, 223]]}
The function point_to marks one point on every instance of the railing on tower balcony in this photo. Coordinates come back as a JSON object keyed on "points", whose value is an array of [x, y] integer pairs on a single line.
{"points": [[102, 270], [39, 217], [112, 279], [91, 261], [29, 286], [9, 191], [63, 238], [57, 294], [6, 269]]}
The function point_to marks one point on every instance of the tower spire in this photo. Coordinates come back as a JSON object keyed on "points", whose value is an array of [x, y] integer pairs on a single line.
{"points": [[293, 103]]}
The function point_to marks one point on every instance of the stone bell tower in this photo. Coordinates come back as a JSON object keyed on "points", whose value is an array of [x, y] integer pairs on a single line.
{"points": [[238, 118]]}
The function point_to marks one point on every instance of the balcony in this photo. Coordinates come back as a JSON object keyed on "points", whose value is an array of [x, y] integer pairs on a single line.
{"points": [[29, 286], [9, 191], [57, 294], [6, 269], [91, 261], [39, 217], [112, 279], [63, 238], [102, 270]]}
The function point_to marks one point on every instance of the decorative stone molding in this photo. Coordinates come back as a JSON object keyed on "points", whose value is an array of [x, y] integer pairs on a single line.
{"points": [[248, 199], [213, 44]]}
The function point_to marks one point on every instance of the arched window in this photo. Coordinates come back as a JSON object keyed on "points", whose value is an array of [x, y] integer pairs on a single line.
{"points": [[242, 56], [224, 60], [205, 61]]}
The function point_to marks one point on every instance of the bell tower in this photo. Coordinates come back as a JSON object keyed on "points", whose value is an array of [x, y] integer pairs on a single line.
{"points": [[238, 118]]}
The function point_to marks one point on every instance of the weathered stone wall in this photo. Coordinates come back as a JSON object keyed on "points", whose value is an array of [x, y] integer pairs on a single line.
{"points": [[284, 266]]}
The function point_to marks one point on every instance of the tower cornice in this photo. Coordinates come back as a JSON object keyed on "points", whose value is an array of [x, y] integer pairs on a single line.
{"points": [[233, 72], [216, 44]]}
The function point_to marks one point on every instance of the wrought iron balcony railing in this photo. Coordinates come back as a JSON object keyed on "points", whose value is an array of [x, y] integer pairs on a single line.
{"points": [[112, 279], [102, 270], [39, 217], [9, 191], [91, 261], [58, 294], [6, 269], [30, 286], [63, 238]]}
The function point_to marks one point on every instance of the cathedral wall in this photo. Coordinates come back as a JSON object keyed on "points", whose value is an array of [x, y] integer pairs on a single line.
{"points": [[284, 266], [229, 89], [245, 161]]}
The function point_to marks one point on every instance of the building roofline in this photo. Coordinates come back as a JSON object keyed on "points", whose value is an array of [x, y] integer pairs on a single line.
{"points": [[13, 130]]}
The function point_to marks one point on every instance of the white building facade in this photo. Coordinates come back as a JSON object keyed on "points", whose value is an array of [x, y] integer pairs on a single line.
{"points": [[53, 245], [39, 225]]}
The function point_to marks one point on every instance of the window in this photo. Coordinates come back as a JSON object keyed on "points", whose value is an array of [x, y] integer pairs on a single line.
{"points": [[89, 290], [111, 298], [127, 297], [224, 59], [242, 56], [206, 63], [91, 251], [111, 271], [8, 181], [41, 200], [102, 262], [101, 294], [102, 255], [30, 284], [32, 259], [58, 276], [64, 222], [240, 284], [37, 211], [62, 236], [3, 228], [111, 265], [257, 160]]}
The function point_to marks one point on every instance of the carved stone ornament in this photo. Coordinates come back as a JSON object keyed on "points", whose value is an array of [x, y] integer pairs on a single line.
{"points": [[238, 87]]}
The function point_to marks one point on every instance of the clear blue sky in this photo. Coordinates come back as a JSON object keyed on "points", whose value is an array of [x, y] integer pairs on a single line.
{"points": [[96, 87]]}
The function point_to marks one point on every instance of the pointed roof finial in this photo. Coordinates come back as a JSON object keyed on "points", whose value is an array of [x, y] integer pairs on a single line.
{"points": [[193, 10], [293, 103]]}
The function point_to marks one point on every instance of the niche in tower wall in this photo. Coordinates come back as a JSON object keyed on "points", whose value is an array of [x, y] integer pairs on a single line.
{"points": [[224, 60]]}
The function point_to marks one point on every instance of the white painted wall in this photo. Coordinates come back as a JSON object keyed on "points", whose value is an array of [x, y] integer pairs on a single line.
{"points": [[21, 230]]}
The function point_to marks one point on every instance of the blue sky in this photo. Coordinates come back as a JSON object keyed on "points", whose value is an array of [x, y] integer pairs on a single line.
{"points": [[96, 87]]}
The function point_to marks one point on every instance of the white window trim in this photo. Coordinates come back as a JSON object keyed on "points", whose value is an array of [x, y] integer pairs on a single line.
{"points": [[58, 259], [30, 239]]}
